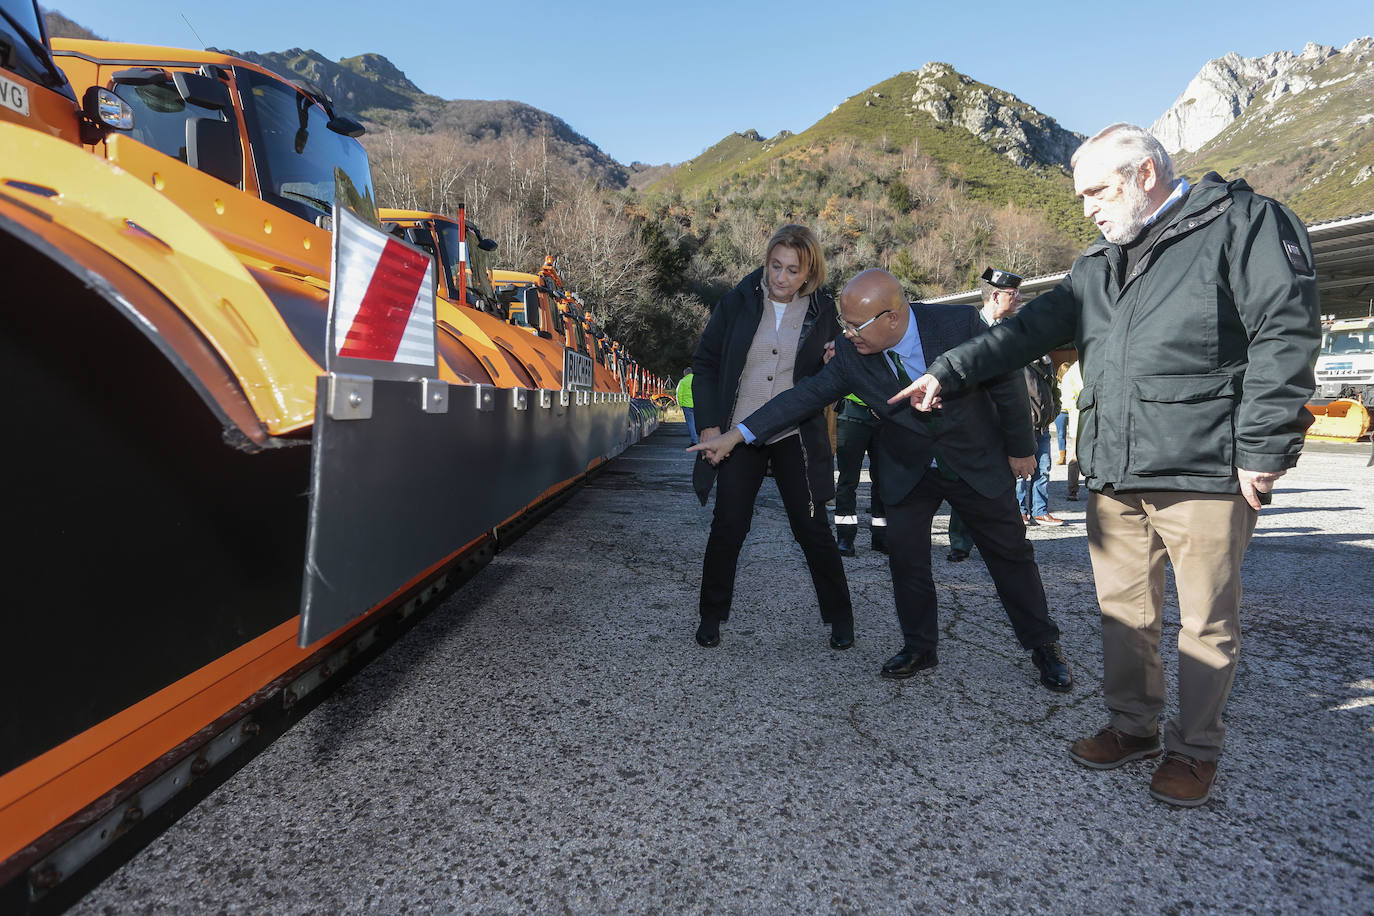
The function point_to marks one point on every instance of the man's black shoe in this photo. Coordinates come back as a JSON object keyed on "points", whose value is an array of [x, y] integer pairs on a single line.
{"points": [[1054, 670], [956, 555], [842, 634], [907, 662], [708, 633], [846, 545]]}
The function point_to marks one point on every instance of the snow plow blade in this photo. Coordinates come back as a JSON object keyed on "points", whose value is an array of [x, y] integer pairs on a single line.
{"points": [[1342, 420]]}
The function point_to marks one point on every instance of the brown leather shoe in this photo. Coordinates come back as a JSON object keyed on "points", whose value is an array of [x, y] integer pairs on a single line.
{"points": [[1111, 747], [1026, 519], [1049, 520], [1182, 780]]}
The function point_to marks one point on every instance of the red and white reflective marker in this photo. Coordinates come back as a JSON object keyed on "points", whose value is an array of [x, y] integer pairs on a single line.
{"points": [[382, 297]]}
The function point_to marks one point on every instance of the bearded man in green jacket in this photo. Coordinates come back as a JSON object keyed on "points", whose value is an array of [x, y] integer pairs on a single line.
{"points": [[1197, 325]]}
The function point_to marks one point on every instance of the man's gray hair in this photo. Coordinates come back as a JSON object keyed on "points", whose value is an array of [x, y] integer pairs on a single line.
{"points": [[988, 291], [1131, 145]]}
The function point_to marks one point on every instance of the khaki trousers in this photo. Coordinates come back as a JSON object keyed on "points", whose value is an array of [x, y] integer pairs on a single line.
{"points": [[1205, 537]]}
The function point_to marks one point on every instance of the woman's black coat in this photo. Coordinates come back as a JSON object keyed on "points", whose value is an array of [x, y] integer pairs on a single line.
{"points": [[719, 362]]}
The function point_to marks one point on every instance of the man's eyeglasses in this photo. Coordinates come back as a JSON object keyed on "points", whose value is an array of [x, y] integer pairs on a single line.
{"points": [[857, 329]]}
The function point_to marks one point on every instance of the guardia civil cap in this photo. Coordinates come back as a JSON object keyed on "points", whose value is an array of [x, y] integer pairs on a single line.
{"points": [[1003, 278]]}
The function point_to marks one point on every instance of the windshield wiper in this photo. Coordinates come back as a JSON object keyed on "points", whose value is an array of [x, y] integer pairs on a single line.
{"points": [[324, 205], [39, 49]]}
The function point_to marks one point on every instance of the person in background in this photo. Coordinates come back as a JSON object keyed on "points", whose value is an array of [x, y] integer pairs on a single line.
{"points": [[856, 433], [1001, 300], [1001, 292], [684, 400], [1197, 323], [1070, 384], [767, 333], [1061, 422]]}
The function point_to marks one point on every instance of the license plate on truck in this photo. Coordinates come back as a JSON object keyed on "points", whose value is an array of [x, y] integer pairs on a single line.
{"points": [[14, 96]]}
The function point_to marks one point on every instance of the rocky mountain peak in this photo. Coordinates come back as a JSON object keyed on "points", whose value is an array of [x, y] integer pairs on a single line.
{"points": [[1227, 86], [356, 84], [378, 69], [1010, 126]]}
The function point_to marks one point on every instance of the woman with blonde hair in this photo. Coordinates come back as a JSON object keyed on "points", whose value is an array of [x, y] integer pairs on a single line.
{"points": [[765, 334]]}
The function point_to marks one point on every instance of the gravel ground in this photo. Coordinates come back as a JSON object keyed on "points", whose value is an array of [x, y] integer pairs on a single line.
{"points": [[553, 740]]}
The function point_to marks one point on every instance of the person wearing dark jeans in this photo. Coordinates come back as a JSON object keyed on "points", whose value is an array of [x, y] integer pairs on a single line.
{"points": [[1034, 494], [1061, 432], [684, 400], [856, 434]]}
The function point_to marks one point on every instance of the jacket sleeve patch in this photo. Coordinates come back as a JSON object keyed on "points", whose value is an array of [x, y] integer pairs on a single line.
{"points": [[1296, 256]]}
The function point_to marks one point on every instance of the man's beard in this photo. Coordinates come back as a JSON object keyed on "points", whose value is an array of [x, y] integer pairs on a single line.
{"points": [[1132, 210]]}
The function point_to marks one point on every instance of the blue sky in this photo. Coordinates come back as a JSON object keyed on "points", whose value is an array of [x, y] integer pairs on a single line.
{"points": [[662, 82]]}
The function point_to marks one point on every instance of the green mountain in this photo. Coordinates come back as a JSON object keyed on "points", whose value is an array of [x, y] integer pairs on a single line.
{"points": [[1306, 138], [996, 146]]}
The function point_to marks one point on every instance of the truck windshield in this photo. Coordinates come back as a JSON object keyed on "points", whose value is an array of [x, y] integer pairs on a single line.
{"points": [[298, 158], [23, 47], [1337, 343], [479, 263]]}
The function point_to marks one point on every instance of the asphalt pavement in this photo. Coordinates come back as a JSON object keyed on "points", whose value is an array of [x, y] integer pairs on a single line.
{"points": [[552, 740]]}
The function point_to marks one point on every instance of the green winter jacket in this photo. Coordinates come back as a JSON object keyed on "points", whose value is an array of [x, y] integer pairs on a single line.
{"points": [[1199, 363]]}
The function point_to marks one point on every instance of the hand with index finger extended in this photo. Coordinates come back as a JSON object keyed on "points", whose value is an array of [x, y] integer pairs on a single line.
{"points": [[924, 394], [717, 448]]}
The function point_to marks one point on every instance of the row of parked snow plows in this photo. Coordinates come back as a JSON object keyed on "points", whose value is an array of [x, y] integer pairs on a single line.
{"points": [[255, 429]]}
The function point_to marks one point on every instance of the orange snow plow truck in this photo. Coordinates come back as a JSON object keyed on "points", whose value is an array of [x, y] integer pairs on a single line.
{"points": [[213, 517]]}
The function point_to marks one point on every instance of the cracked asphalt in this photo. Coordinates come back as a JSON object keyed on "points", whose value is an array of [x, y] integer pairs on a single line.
{"points": [[552, 740]]}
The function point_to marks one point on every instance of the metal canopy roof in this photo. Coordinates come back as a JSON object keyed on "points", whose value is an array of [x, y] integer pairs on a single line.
{"points": [[1343, 250]]}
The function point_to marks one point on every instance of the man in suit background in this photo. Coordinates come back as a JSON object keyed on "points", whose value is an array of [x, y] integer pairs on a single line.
{"points": [[960, 455]]}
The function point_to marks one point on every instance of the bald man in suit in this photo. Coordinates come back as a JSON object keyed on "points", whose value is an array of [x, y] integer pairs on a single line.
{"points": [[968, 454]]}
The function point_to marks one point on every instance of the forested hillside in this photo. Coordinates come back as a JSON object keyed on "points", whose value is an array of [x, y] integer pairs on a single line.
{"points": [[929, 174]]}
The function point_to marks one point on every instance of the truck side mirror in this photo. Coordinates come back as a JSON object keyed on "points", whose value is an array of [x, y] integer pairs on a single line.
{"points": [[202, 90], [212, 146], [105, 108], [346, 126], [529, 301]]}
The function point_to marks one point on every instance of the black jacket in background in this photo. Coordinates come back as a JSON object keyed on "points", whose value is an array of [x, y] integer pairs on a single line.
{"points": [[719, 362]]}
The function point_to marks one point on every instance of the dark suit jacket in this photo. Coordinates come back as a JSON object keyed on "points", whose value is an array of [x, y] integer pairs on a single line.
{"points": [[973, 433]]}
